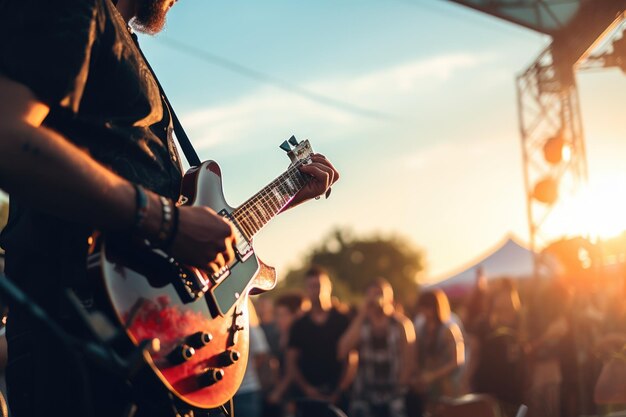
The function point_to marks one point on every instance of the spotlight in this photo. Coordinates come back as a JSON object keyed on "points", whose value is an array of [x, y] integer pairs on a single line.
{"points": [[556, 149], [546, 191]]}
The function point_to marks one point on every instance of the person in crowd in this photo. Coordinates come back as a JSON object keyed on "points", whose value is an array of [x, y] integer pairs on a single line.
{"points": [[385, 343], [609, 390], [501, 364], [472, 313], [548, 327], [248, 401], [440, 349], [264, 306], [312, 355], [288, 307]]}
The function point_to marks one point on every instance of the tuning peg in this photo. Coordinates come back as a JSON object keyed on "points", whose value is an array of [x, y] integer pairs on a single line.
{"points": [[285, 146], [293, 140]]}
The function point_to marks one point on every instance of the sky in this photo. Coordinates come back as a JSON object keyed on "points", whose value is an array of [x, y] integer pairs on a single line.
{"points": [[414, 102]]}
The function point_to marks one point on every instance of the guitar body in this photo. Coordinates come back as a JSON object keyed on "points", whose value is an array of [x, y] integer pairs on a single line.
{"points": [[153, 297]]}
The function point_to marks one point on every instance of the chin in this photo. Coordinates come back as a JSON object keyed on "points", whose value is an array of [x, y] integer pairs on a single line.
{"points": [[150, 28]]}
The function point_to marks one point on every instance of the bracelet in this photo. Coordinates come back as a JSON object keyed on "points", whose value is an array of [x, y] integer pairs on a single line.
{"points": [[173, 230], [166, 221], [141, 207]]}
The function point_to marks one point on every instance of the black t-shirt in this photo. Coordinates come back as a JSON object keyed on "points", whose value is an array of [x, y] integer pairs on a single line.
{"points": [[78, 57], [501, 363], [317, 344]]}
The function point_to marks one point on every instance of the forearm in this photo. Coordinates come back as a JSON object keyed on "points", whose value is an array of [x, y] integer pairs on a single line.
{"points": [[301, 381], [283, 385], [44, 170], [293, 371], [408, 365], [350, 371], [350, 339], [444, 370]]}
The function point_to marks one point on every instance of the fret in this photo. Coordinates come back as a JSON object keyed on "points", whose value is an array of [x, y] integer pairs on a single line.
{"points": [[261, 210], [243, 222], [255, 220], [267, 206], [257, 211]]}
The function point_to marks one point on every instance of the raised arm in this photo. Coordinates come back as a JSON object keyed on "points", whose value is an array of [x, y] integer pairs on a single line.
{"points": [[408, 351], [349, 341]]}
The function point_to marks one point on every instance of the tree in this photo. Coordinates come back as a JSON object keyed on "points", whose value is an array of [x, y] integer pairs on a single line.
{"points": [[353, 262]]}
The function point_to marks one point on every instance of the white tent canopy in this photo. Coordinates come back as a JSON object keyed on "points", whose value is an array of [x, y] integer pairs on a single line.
{"points": [[507, 259]]}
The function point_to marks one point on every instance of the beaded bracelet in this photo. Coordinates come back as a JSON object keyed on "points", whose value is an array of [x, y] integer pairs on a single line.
{"points": [[167, 215], [141, 207], [173, 230]]}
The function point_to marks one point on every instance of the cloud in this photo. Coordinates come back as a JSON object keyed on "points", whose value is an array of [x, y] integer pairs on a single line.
{"points": [[411, 76], [267, 110]]}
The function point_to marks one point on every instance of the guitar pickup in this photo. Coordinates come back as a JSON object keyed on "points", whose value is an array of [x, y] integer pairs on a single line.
{"points": [[243, 248], [220, 275]]}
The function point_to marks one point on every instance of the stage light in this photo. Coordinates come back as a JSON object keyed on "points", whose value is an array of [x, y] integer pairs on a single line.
{"points": [[546, 191], [556, 150]]}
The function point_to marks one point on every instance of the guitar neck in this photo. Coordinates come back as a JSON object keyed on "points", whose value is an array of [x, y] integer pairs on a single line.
{"points": [[257, 211]]}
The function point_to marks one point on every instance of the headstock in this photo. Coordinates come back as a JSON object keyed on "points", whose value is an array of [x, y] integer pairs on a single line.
{"points": [[300, 151]]}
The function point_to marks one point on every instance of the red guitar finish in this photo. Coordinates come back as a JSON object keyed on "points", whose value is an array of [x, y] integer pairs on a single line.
{"points": [[199, 319]]}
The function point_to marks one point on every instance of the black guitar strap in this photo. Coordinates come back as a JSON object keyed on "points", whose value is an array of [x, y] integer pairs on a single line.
{"points": [[183, 139]]}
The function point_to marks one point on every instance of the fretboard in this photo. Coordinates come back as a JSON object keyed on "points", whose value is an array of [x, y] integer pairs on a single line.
{"points": [[256, 212]]}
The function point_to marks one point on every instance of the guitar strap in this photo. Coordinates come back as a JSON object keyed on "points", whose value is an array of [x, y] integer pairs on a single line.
{"points": [[183, 139]]}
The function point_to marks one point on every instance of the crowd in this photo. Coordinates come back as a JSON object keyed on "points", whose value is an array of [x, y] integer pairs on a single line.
{"points": [[558, 348], [555, 346]]}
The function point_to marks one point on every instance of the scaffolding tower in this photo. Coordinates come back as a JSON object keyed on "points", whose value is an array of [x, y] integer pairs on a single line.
{"points": [[550, 121]]}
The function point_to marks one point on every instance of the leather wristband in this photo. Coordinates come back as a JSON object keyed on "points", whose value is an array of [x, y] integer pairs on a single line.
{"points": [[167, 216]]}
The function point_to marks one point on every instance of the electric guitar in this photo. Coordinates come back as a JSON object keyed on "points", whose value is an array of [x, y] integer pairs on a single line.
{"points": [[199, 318]]}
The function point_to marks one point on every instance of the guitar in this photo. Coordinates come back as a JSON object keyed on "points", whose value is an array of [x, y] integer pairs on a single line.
{"points": [[198, 318]]}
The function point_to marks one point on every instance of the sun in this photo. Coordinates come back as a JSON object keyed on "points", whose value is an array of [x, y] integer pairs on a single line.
{"points": [[602, 207], [597, 211]]}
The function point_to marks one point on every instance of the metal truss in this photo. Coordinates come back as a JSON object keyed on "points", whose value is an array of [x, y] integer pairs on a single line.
{"points": [[548, 101], [548, 107]]}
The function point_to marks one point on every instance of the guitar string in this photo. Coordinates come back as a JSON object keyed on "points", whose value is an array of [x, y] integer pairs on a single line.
{"points": [[249, 206], [256, 208], [266, 205]]}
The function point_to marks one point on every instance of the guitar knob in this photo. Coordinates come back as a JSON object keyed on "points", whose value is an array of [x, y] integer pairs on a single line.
{"points": [[228, 357], [210, 377], [181, 354], [199, 339], [285, 146], [293, 140]]}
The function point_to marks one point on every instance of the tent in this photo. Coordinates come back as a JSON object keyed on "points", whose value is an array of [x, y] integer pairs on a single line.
{"points": [[509, 258]]}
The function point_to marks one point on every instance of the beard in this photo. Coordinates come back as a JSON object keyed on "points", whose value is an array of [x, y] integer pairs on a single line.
{"points": [[150, 16]]}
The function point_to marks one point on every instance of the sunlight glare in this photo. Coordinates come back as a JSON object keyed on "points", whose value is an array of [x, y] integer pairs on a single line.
{"points": [[603, 207]]}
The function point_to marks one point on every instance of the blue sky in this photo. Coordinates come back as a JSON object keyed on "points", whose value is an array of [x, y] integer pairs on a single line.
{"points": [[440, 164]]}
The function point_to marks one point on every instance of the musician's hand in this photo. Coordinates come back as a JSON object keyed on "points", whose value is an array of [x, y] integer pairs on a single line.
{"points": [[204, 239], [324, 176]]}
